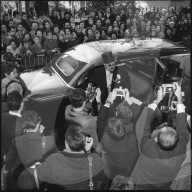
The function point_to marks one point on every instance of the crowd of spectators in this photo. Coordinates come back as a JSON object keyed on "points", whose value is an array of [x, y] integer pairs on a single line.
{"points": [[114, 142], [28, 34]]}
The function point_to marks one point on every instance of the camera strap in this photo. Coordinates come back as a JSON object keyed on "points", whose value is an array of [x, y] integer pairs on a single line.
{"points": [[90, 159], [44, 144], [36, 178]]}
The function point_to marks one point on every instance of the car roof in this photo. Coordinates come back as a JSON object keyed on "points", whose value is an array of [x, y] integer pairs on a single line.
{"points": [[91, 51]]}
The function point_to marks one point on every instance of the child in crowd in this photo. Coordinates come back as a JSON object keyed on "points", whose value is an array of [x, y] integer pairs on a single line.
{"points": [[37, 47], [25, 50], [50, 44]]}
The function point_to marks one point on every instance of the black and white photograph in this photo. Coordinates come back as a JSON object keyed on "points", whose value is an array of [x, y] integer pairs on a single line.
{"points": [[96, 95]]}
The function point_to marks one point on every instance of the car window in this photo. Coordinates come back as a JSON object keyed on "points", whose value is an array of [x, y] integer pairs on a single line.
{"points": [[146, 66], [67, 65], [173, 63]]}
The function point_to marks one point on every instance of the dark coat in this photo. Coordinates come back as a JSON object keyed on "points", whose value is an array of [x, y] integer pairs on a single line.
{"points": [[10, 127], [71, 171], [83, 119], [49, 45], [122, 154], [156, 168], [99, 80], [29, 148], [63, 46]]}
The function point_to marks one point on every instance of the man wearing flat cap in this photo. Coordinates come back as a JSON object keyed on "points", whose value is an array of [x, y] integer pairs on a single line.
{"points": [[109, 77]]}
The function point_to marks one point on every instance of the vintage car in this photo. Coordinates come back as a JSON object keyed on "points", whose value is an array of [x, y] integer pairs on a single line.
{"points": [[148, 63]]}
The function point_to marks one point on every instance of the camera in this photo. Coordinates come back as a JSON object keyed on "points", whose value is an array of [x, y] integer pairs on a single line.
{"points": [[90, 93], [168, 104], [119, 92], [168, 88]]}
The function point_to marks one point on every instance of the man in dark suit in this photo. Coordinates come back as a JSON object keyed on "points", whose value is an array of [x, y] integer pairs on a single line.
{"points": [[109, 77], [11, 121], [163, 150]]}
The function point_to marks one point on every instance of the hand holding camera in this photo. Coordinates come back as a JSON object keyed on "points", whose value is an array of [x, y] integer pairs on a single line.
{"points": [[178, 93], [119, 92], [168, 94], [88, 144], [98, 96], [111, 97], [159, 95], [168, 88], [41, 128]]}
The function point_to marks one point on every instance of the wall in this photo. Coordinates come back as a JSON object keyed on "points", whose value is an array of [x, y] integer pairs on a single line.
{"points": [[166, 4]]}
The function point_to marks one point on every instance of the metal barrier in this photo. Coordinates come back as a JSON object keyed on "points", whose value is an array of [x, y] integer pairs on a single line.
{"points": [[32, 62], [37, 61]]}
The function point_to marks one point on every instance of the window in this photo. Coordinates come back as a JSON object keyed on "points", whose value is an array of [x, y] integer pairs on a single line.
{"points": [[146, 66], [67, 65]]}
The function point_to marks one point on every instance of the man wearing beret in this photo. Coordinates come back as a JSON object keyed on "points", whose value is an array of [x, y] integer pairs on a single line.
{"points": [[109, 77]]}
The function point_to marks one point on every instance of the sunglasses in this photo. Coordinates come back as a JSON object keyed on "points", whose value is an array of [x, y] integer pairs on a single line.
{"points": [[111, 64]]}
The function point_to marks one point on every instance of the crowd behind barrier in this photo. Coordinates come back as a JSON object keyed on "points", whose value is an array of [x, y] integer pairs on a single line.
{"points": [[31, 41], [68, 29]]}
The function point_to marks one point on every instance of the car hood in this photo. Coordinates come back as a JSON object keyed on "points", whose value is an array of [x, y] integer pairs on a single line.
{"points": [[43, 81]]}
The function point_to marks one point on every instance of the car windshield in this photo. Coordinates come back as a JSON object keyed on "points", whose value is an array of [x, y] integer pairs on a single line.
{"points": [[67, 65]]}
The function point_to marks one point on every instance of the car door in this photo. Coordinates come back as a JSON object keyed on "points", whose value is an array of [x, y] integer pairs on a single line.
{"points": [[142, 73], [176, 65]]}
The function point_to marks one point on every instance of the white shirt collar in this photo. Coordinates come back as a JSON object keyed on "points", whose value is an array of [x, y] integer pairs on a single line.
{"points": [[15, 113], [108, 72]]}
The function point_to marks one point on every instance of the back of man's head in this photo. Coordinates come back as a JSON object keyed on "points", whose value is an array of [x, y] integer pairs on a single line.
{"points": [[14, 100], [9, 68], [77, 97], [167, 138], [14, 86], [124, 111], [30, 119], [75, 138], [115, 128]]}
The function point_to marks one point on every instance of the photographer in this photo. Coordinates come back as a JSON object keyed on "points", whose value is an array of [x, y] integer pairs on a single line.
{"points": [[30, 146], [116, 132], [74, 167], [76, 113], [163, 151]]}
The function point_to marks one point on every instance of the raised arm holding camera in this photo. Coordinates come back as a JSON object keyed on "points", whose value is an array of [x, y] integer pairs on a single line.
{"points": [[163, 151], [116, 132]]}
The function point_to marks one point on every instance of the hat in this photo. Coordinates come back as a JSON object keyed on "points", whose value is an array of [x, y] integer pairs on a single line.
{"points": [[108, 57], [172, 22]]}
